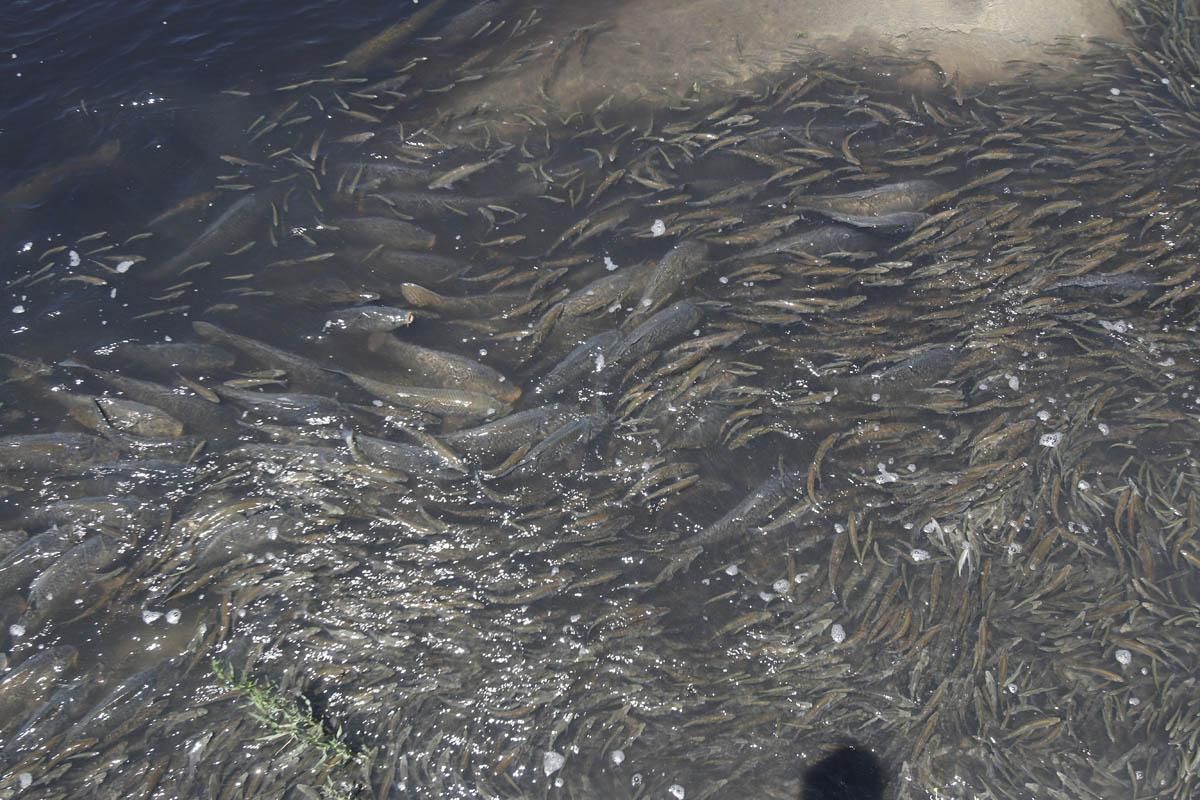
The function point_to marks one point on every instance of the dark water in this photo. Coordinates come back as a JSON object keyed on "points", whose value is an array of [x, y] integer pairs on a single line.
{"points": [[913, 467], [76, 74]]}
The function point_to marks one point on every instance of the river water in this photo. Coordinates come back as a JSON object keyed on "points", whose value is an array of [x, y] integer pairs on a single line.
{"points": [[397, 404]]}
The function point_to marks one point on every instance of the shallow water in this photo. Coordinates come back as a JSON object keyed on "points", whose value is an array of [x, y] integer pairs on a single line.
{"points": [[923, 479]]}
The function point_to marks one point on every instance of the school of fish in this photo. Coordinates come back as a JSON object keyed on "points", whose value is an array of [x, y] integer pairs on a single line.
{"points": [[626, 453]]}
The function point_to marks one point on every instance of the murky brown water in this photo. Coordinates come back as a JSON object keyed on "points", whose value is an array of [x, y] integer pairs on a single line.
{"points": [[647, 450]]}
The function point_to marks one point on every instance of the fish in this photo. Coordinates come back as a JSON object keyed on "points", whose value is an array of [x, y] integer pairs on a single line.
{"points": [[24, 563], [655, 333], [368, 319], [482, 305], [560, 444], [447, 179], [286, 407], [436, 204], [173, 356], [440, 368], [387, 231], [506, 435], [388, 176], [381, 268], [325, 291], [56, 589], [406, 459], [36, 189], [586, 357], [751, 510], [299, 369], [445, 403], [673, 272], [897, 222], [127, 515], [820, 241], [236, 224], [53, 452], [361, 58], [28, 684], [104, 413], [905, 196], [1102, 284], [606, 290], [10, 540], [195, 413], [132, 696], [241, 531], [921, 370]]}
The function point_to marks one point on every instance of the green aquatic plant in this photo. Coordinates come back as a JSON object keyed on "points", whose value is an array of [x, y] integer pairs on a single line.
{"points": [[289, 720]]}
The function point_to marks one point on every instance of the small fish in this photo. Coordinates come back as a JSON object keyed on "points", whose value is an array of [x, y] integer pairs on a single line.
{"points": [[447, 179]]}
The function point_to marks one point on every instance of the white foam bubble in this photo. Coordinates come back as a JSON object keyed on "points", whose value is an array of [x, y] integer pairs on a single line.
{"points": [[1050, 439], [173, 616], [617, 756], [658, 228], [552, 762], [149, 617], [837, 633], [1124, 657]]}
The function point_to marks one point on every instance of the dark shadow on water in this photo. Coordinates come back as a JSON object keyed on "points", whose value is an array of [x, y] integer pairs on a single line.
{"points": [[848, 773]]}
